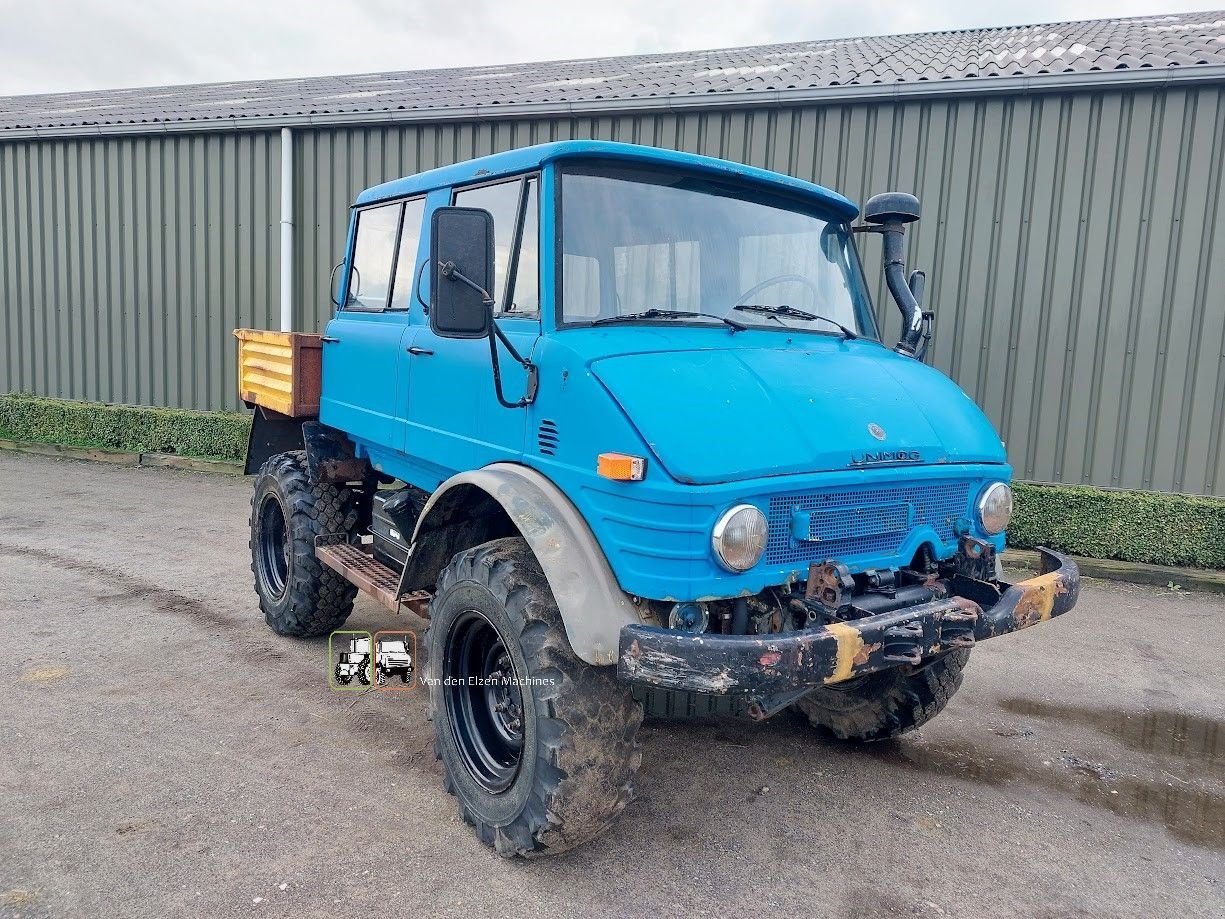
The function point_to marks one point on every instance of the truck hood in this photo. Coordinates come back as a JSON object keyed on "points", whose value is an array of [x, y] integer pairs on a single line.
{"points": [[725, 415]]}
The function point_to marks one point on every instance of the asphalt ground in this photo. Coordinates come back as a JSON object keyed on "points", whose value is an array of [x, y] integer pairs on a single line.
{"points": [[162, 753]]}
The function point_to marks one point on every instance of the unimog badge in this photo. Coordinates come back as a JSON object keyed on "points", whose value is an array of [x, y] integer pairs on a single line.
{"points": [[886, 456]]}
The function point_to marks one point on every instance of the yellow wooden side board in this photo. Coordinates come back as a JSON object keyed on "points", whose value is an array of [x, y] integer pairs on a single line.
{"points": [[280, 371]]}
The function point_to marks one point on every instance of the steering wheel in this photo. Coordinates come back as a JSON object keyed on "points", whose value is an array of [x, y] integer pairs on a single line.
{"points": [[779, 279]]}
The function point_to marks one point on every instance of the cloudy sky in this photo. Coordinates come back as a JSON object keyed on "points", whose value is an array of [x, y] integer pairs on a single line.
{"points": [[65, 45]]}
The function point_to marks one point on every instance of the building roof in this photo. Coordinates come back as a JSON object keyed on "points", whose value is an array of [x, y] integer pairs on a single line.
{"points": [[1152, 49]]}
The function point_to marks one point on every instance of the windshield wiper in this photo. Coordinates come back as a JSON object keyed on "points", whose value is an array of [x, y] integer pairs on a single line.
{"points": [[791, 311], [656, 313]]}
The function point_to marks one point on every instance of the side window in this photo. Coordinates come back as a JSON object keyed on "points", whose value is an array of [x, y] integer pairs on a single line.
{"points": [[406, 262], [373, 256], [519, 279], [526, 299]]}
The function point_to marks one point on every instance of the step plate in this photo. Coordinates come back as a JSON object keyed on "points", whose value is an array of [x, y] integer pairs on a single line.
{"points": [[356, 565]]}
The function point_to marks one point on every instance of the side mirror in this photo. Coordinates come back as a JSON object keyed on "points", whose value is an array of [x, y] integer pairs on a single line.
{"points": [[334, 283], [339, 298], [461, 263]]}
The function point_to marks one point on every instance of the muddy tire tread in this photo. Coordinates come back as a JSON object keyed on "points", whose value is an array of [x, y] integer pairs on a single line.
{"points": [[587, 721], [320, 600], [887, 704]]}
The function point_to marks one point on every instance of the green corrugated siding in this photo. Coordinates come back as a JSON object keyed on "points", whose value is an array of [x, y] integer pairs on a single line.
{"points": [[1075, 248], [126, 262]]}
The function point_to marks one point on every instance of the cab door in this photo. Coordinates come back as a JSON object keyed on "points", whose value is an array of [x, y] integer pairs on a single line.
{"points": [[455, 422], [365, 380]]}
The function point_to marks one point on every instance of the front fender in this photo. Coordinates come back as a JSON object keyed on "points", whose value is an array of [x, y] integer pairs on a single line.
{"points": [[592, 604]]}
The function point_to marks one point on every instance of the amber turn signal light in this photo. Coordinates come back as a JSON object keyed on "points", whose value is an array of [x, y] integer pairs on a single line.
{"points": [[621, 467]]}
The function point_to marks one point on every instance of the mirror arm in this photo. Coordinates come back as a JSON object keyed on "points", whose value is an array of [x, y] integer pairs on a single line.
{"points": [[496, 334], [451, 273]]}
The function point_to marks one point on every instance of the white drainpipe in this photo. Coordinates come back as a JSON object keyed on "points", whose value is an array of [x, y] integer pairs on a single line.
{"points": [[287, 263]]}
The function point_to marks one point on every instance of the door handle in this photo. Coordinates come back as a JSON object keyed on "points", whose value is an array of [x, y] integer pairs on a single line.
{"points": [[330, 341], [415, 350]]}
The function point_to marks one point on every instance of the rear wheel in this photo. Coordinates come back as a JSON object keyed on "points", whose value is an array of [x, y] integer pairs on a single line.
{"points": [[297, 593], [539, 747], [883, 705]]}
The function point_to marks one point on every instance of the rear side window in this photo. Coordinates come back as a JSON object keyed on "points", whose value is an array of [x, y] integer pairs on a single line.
{"points": [[385, 255], [370, 279]]}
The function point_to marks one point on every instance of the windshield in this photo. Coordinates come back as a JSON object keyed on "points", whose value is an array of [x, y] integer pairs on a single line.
{"points": [[680, 248]]}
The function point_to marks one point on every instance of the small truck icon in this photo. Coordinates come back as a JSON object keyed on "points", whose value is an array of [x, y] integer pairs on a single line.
{"points": [[392, 658], [354, 662]]}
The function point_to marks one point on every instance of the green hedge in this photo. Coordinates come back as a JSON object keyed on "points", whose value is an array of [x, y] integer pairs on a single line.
{"points": [[136, 429], [1133, 526]]}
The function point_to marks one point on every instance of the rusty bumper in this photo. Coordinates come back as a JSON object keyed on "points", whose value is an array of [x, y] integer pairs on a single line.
{"points": [[774, 665]]}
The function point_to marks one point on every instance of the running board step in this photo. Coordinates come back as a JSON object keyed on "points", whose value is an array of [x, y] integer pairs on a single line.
{"points": [[356, 565]]}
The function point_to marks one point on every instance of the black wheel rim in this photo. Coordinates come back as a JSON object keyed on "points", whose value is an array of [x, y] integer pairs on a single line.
{"points": [[273, 547], [484, 701]]}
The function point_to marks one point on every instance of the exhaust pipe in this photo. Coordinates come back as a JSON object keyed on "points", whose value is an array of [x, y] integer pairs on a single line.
{"points": [[890, 212]]}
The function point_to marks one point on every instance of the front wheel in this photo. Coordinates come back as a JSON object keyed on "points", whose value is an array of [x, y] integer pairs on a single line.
{"points": [[883, 705], [539, 747]]}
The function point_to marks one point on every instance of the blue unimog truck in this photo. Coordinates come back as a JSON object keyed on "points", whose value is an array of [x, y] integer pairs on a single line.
{"points": [[620, 424]]}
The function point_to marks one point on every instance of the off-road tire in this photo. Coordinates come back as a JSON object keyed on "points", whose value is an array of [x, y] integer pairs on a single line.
{"points": [[580, 726], [883, 705], [314, 600], [342, 679]]}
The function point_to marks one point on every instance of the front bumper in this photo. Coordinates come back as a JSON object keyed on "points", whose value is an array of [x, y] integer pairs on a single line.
{"points": [[769, 667]]}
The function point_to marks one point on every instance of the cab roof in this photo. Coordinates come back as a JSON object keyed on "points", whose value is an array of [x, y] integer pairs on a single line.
{"points": [[526, 159]]}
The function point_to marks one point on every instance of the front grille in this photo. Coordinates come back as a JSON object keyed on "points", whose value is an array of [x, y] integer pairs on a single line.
{"points": [[870, 523]]}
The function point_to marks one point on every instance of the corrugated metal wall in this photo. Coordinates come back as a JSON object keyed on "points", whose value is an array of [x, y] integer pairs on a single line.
{"points": [[1075, 245], [125, 263]]}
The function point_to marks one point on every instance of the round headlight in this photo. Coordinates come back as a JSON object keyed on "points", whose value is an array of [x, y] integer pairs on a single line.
{"points": [[739, 537], [995, 508]]}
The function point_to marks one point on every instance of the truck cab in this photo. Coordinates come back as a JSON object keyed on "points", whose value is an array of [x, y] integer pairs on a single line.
{"points": [[634, 425]]}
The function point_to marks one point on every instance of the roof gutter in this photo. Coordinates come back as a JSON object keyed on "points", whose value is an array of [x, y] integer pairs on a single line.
{"points": [[883, 92]]}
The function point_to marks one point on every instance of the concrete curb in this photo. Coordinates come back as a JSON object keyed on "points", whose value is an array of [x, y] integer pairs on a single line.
{"points": [[124, 458], [1208, 580]]}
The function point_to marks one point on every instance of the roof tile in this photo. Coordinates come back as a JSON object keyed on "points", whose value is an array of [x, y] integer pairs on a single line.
{"points": [[1180, 41]]}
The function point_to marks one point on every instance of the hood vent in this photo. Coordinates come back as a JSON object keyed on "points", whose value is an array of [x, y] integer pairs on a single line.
{"points": [[547, 438]]}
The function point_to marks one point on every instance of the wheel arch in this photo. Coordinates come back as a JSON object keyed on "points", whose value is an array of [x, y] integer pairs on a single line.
{"points": [[506, 499]]}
